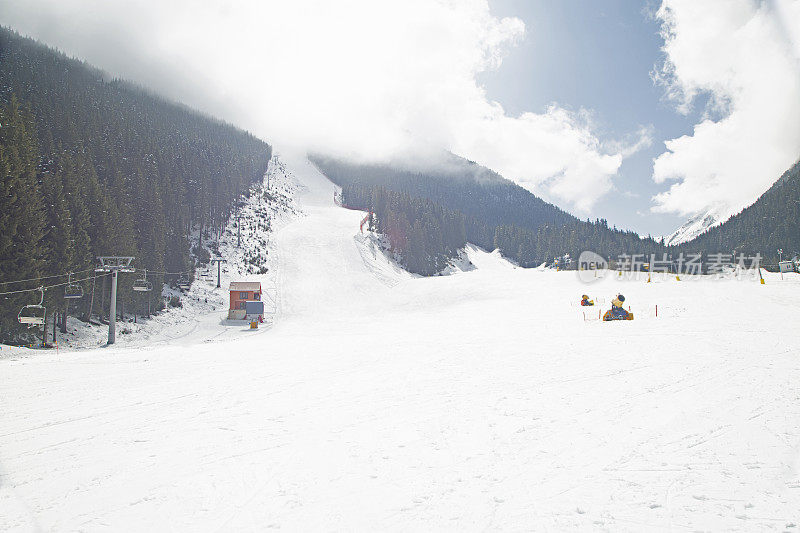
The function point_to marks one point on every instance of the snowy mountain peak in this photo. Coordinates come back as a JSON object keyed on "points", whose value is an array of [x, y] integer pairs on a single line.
{"points": [[696, 225]]}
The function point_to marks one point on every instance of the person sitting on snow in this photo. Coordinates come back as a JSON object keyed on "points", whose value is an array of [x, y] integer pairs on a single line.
{"points": [[586, 301], [616, 307]]}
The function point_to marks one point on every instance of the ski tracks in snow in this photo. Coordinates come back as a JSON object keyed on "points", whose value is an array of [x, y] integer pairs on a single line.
{"points": [[473, 401]]}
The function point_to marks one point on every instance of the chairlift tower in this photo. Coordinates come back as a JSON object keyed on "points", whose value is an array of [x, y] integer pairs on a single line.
{"points": [[219, 261], [114, 265]]}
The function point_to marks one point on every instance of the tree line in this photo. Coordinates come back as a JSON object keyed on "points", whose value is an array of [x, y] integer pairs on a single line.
{"points": [[93, 166]]}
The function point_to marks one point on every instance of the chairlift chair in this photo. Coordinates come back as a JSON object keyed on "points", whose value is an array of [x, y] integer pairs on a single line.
{"points": [[142, 284], [184, 283], [33, 314], [72, 290]]}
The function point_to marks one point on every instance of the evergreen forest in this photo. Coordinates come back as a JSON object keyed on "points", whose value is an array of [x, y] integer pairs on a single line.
{"points": [[93, 167]]}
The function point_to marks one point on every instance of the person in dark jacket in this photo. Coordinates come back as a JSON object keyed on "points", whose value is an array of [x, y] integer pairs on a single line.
{"points": [[617, 311]]}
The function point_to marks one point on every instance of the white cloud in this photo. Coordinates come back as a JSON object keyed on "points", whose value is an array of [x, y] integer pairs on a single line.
{"points": [[555, 153], [746, 57], [359, 77]]}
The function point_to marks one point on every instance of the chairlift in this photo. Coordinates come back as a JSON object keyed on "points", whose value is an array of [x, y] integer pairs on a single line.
{"points": [[184, 283], [33, 314], [72, 290], [142, 284]]}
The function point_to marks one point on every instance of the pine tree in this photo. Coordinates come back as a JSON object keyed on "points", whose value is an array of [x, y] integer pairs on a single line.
{"points": [[77, 201], [22, 229], [58, 232]]}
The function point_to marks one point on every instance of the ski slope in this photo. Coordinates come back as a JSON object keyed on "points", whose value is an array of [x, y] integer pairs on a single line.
{"points": [[486, 399]]}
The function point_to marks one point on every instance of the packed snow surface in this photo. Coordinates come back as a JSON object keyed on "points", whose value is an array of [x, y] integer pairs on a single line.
{"points": [[377, 400]]}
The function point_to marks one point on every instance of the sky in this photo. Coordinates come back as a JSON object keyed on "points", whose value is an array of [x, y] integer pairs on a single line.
{"points": [[639, 113]]}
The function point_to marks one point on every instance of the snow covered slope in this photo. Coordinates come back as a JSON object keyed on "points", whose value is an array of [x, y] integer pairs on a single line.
{"points": [[487, 399], [696, 225]]}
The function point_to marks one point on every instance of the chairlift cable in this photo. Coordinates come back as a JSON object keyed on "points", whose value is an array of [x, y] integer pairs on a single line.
{"points": [[167, 273], [73, 281], [46, 277], [48, 286]]}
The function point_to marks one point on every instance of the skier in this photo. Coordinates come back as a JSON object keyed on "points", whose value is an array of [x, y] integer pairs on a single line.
{"points": [[586, 301]]}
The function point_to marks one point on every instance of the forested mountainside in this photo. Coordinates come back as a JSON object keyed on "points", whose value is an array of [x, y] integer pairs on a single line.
{"points": [[425, 235], [93, 167], [770, 223], [459, 185], [496, 213]]}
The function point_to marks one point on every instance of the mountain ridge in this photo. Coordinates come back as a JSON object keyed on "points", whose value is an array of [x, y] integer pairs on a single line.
{"points": [[498, 214], [770, 223]]}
